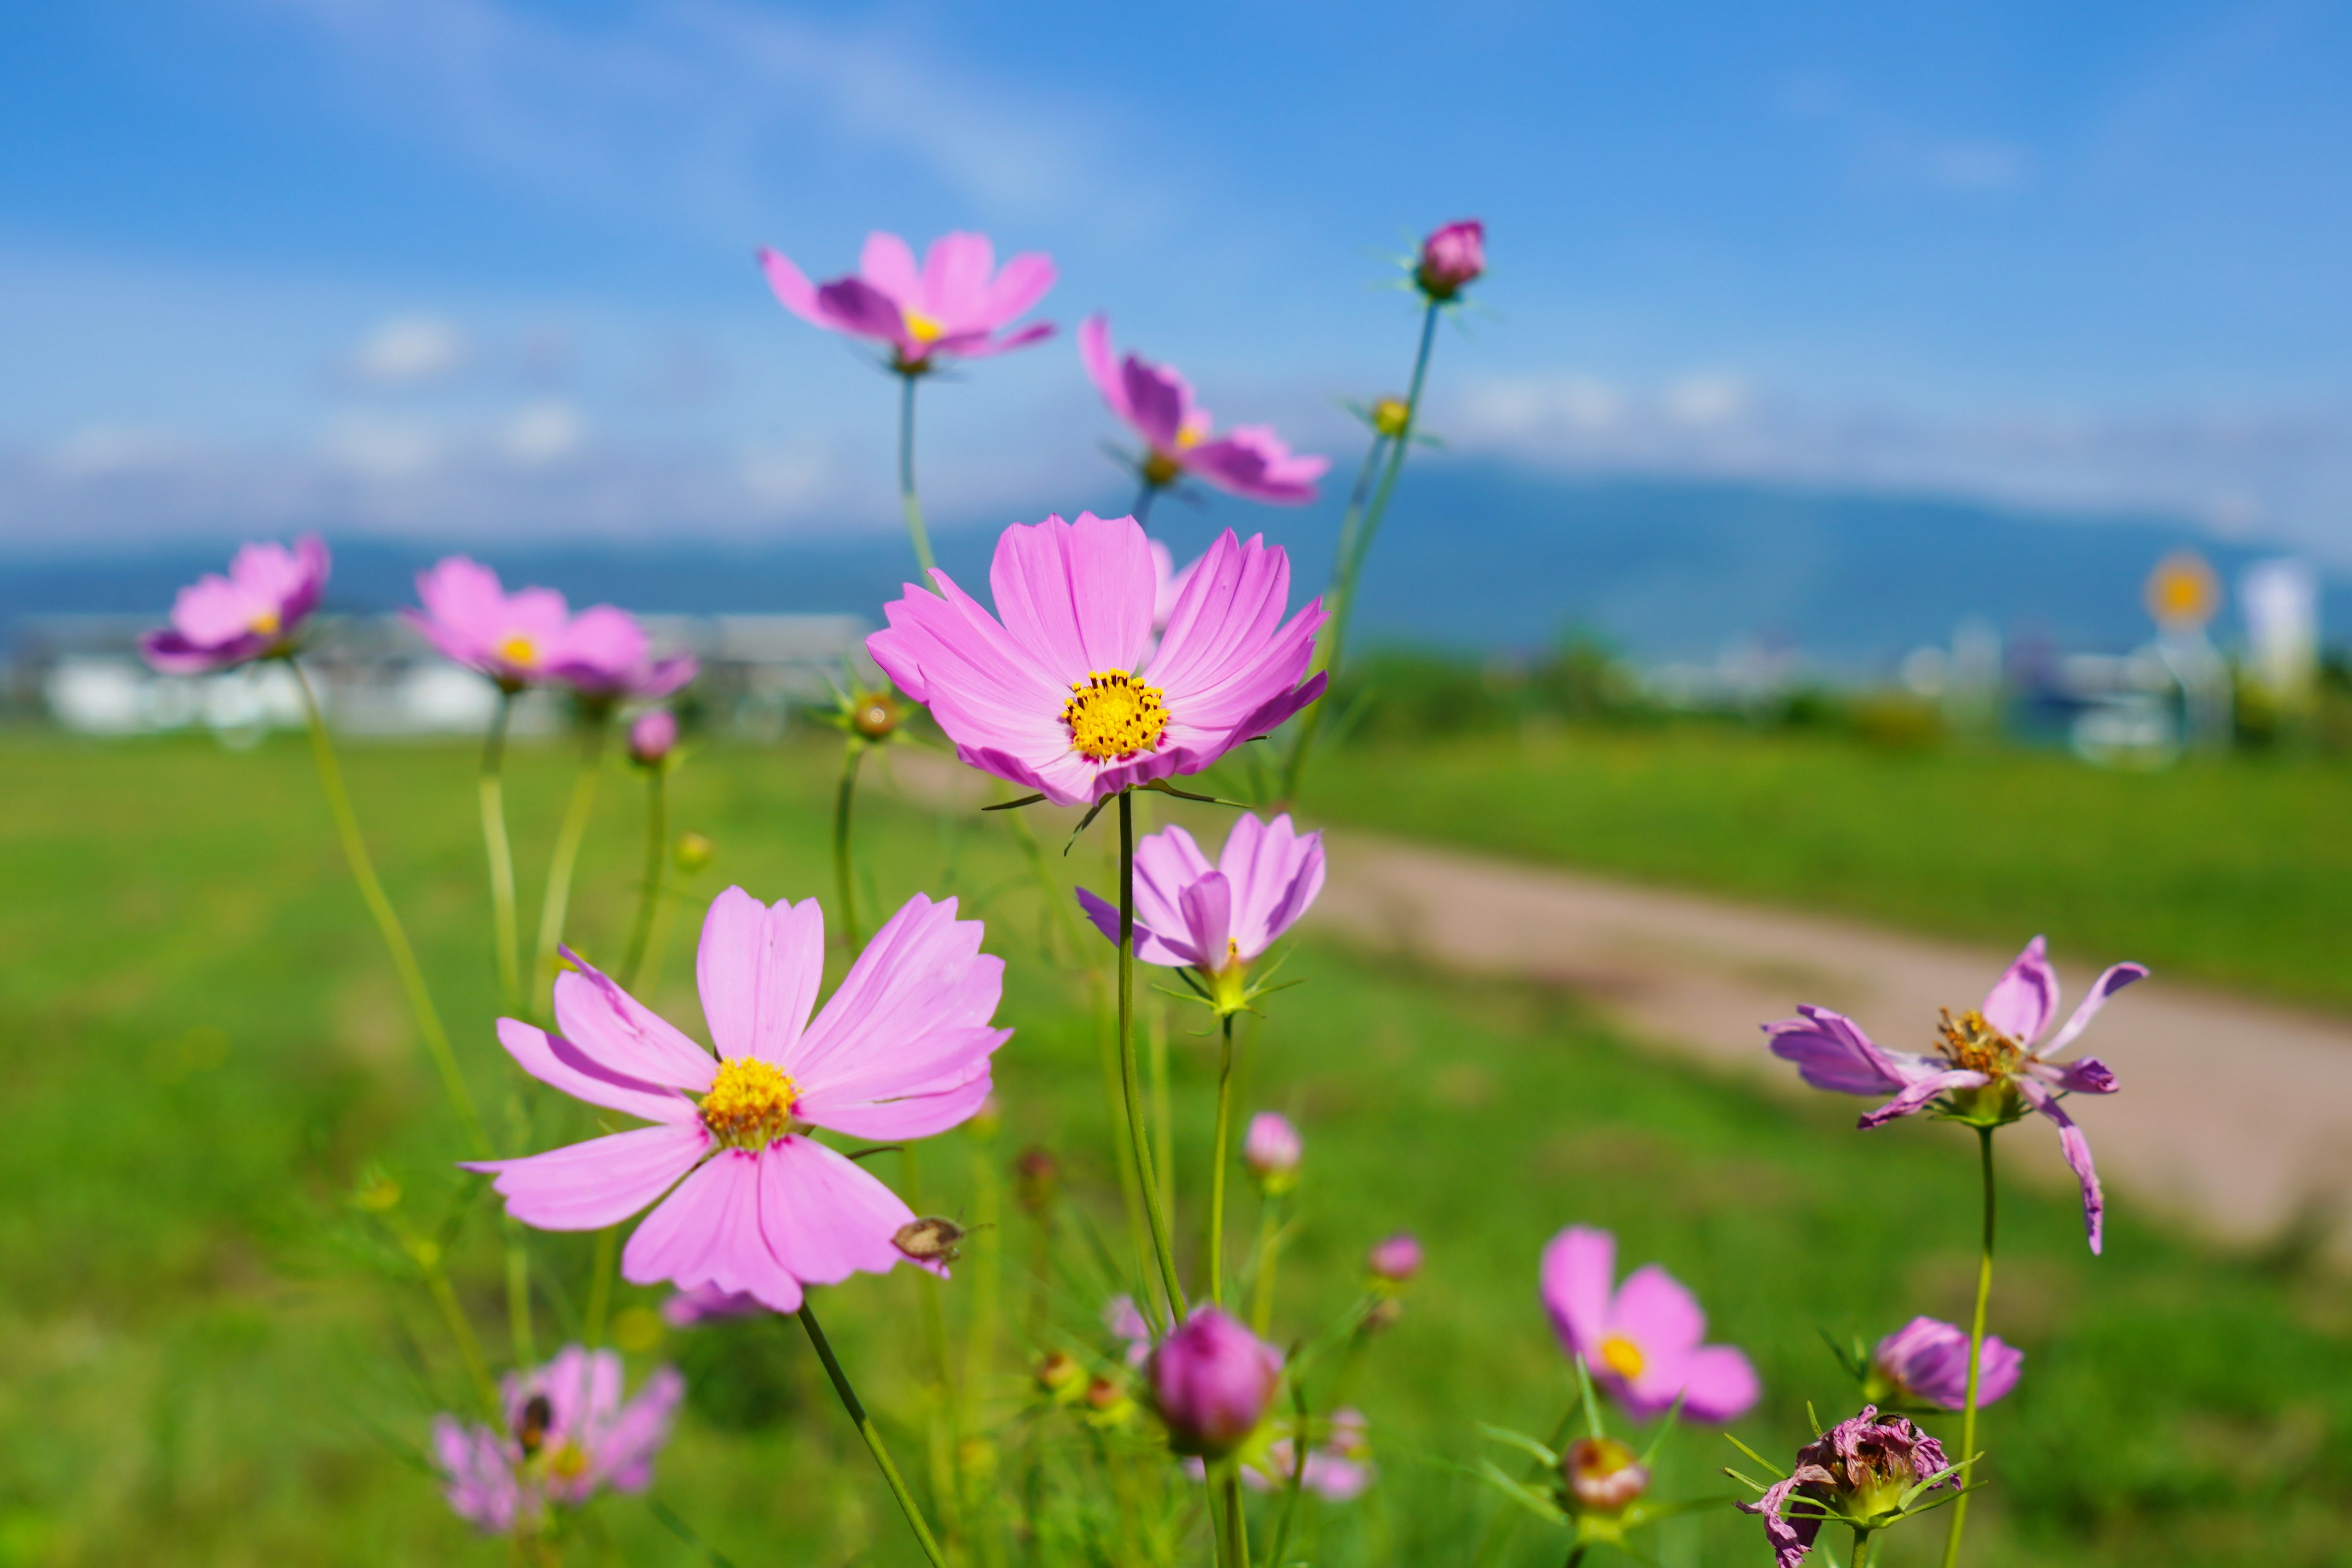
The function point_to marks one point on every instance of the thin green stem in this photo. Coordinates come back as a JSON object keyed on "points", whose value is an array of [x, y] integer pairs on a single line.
{"points": [[1298, 1476], [1130, 1078], [518, 1324], [1861, 1545], [1269, 1249], [1235, 1537], [873, 1435], [641, 928], [844, 876], [1141, 511], [500, 855], [387, 920], [600, 1285], [1504, 1521], [907, 499], [1217, 1170], [567, 838], [1976, 1361], [1163, 1117], [470, 1348]]}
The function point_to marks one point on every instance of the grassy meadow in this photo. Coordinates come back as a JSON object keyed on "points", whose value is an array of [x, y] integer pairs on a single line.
{"points": [[209, 1356]]}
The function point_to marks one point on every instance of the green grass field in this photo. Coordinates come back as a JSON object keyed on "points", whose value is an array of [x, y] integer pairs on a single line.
{"points": [[2235, 873], [205, 1357]]}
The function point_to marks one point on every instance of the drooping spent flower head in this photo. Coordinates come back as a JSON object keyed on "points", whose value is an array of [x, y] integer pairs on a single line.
{"points": [[1639, 1341], [1211, 1382], [1452, 258], [1062, 691], [1217, 920], [953, 307], [1990, 1065], [569, 1434], [901, 1050], [255, 611], [1272, 1150], [1156, 402], [1926, 1362], [1863, 1472], [531, 637]]}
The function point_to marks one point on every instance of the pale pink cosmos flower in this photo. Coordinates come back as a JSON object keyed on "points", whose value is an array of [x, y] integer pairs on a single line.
{"points": [[219, 623], [1927, 1360], [1988, 1069], [1249, 460], [1640, 1341], [531, 637], [1066, 693], [1856, 1471], [1220, 919], [569, 1434], [901, 1050], [954, 306]]}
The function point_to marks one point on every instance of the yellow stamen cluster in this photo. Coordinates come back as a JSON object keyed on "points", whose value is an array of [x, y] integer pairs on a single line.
{"points": [[265, 622], [922, 328], [1970, 1042], [519, 651], [1160, 470], [1621, 1356], [1112, 716], [750, 1105]]}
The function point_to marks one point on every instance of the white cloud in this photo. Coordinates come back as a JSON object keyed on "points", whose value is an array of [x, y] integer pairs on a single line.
{"points": [[97, 450], [376, 447], [1708, 399], [409, 350], [541, 433]]}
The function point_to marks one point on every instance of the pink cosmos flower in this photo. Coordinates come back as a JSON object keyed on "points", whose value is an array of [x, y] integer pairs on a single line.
{"points": [[1218, 918], [568, 1434], [1338, 1469], [1211, 1382], [1987, 1067], [1270, 1147], [1857, 1472], [1641, 1342], [1452, 258], [1156, 401], [707, 1304], [952, 308], [901, 1050], [1927, 1360], [1065, 694], [531, 637], [1124, 1322], [219, 623]]}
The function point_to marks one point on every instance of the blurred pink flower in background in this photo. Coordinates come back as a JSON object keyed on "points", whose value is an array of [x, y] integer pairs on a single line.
{"points": [[707, 1303], [1397, 1259], [1211, 1381], [531, 637], [1272, 1148], [901, 1050], [1065, 695], [569, 1434], [651, 736], [1452, 258], [1641, 1341], [953, 307], [219, 623], [1191, 914], [1927, 1360], [1156, 401], [1124, 1322], [1338, 1469]]}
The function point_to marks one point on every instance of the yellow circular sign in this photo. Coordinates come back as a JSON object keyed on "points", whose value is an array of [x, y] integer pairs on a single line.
{"points": [[2183, 591]]}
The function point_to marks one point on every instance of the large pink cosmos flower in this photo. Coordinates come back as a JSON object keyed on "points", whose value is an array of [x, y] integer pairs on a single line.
{"points": [[1641, 1343], [568, 1434], [1067, 695], [1988, 1069], [951, 308], [530, 636], [219, 623], [1220, 919], [1249, 460], [901, 1050]]}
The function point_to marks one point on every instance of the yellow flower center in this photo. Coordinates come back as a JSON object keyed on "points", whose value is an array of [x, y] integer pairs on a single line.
{"points": [[1113, 715], [922, 328], [1970, 1042], [1621, 1356], [518, 649], [1187, 436], [568, 1461], [1160, 470], [265, 622], [750, 1105]]}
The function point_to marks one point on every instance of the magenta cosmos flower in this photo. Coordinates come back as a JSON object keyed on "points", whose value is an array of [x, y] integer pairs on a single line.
{"points": [[1926, 1360], [1211, 1382], [1857, 1473], [1066, 693], [1452, 258], [1988, 1069], [568, 1434], [1640, 1341], [1220, 919], [1249, 460], [953, 307], [531, 637], [219, 623], [901, 1050]]}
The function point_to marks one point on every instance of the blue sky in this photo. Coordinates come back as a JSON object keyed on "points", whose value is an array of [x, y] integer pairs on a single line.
{"points": [[452, 268]]}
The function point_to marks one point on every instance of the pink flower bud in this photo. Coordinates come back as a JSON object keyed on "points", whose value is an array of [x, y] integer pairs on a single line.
{"points": [[1270, 1150], [1211, 1381], [1603, 1475], [651, 736], [1452, 258], [1397, 1259]]}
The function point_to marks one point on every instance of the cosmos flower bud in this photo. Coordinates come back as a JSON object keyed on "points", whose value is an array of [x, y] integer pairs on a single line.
{"points": [[693, 852], [1211, 1382], [1060, 1374], [651, 736], [1390, 416], [1272, 1152], [1603, 1475], [1036, 1177], [1452, 258], [931, 1239], [877, 715], [1396, 1260], [1382, 1315]]}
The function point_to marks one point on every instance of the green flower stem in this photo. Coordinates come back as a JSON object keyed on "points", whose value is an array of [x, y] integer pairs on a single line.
{"points": [[600, 1285], [1976, 1364], [526, 1343], [843, 878], [1269, 1250], [568, 837], [1144, 500], [1298, 1476], [1217, 1170], [649, 893], [1163, 1116], [907, 499], [1234, 1534], [387, 920], [470, 1348], [874, 1444], [1129, 1079], [500, 855], [1861, 1545]]}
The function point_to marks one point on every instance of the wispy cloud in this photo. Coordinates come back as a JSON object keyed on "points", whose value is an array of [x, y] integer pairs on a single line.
{"points": [[1884, 148]]}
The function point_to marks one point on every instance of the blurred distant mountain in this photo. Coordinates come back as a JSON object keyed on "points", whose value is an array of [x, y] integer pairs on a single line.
{"points": [[1473, 555]]}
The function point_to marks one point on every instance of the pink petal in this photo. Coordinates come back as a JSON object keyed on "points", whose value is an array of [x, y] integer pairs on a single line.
{"points": [[825, 1216], [1832, 1052], [587, 1186], [1654, 1312], [1276, 872], [623, 1033], [1157, 401], [1914, 1097], [758, 969], [623, 1455], [1009, 341], [1578, 1269], [1718, 1383], [1023, 282], [1094, 353], [2077, 1150], [2024, 999], [1209, 918], [888, 264], [923, 971], [854, 306], [1149, 947], [792, 288], [708, 1232], [1079, 593], [556, 1061], [2117, 977], [956, 272]]}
